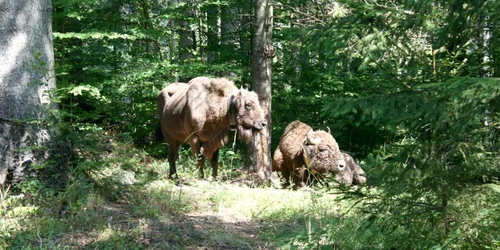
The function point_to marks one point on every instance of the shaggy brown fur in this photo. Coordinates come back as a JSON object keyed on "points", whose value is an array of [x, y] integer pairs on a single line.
{"points": [[302, 150], [201, 113]]}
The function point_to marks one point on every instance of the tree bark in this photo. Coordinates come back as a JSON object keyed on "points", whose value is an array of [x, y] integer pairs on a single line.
{"points": [[262, 54], [186, 36], [213, 33], [26, 76]]}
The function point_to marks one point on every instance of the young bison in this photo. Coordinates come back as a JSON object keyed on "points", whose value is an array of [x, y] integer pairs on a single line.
{"points": [[302, 150], [350, 174]]}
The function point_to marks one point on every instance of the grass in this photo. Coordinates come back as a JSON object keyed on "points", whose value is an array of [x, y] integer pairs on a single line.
{"points": [[124, 201]]}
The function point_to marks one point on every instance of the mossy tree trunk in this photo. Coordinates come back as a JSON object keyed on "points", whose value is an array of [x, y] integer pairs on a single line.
{"points": [[262, 54], [26, 77]]}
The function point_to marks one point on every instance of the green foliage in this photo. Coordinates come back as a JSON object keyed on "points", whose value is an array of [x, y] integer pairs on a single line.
{"points": [[112, 58], [387, 78], [399, 83], [444, 144]]}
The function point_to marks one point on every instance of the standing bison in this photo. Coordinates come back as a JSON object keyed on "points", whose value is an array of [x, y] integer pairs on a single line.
{"points": [[307, 155], [201, 112], [302, 150]]}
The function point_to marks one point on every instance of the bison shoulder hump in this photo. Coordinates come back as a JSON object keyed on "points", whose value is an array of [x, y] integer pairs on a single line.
{"points": [[215, 86]]}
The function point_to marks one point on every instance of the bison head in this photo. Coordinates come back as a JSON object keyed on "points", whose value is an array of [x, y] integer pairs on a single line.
{"points": [[352, 174], [322, 153], [248, 115]]}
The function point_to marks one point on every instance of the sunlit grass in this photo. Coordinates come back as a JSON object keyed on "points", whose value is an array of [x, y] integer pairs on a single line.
{"points": [[127, 202], [130, 204]]}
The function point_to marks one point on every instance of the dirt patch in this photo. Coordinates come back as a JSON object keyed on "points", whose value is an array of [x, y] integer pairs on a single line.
{"points": [[193, 230], [206, 231]]}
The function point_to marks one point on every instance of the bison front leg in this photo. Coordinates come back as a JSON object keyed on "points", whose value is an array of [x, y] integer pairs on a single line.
{"points": [[201, 164], [298, 177], [196, 148], [286, 175]]}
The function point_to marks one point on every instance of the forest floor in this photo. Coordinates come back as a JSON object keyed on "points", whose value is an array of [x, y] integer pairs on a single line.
{"points": [[201, 227], [121, 199], [204, 221], [163, 214]]}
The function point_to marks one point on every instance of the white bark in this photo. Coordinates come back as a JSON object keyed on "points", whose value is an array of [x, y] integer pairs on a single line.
{"points": [[486, 36], [26, 74]]}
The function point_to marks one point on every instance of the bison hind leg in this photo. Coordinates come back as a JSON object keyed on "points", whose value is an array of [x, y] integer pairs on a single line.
{"points": [[173, 149], [214, 163], [277, 160]]}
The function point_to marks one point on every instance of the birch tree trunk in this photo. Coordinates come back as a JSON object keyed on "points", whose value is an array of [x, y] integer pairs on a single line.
{"points": [[26, 76], [262, 54]]}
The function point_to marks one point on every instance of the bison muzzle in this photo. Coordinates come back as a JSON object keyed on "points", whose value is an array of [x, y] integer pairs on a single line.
{"points": [[201, 113]]}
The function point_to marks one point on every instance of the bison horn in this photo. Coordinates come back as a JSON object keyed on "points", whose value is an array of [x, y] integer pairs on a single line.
{"points": [[231, 111], [307, 157], [329, 132], [310, 139]]}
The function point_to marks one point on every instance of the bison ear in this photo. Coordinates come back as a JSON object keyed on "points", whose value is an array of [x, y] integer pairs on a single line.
{"points": [[308, 135], [237, 100]]}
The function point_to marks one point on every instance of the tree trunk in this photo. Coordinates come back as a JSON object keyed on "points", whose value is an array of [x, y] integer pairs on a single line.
{"points": [[186, 36], [26, 76], [213, 33], [486, 36], [262, 54]]}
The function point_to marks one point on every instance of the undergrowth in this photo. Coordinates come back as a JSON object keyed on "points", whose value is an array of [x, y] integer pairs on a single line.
{"points": [[116, 196]]}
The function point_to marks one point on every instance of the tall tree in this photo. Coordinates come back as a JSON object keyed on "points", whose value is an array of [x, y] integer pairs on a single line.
{"points": [[26, 76], [186, 34], [262, 53], [213, 13]]}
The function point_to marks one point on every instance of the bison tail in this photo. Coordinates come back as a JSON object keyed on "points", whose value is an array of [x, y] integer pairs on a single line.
{"points": [[158, 133]]}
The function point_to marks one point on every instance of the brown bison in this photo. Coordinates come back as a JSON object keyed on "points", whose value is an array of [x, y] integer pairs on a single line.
{"points": [[302, 151], [201, 112]]}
